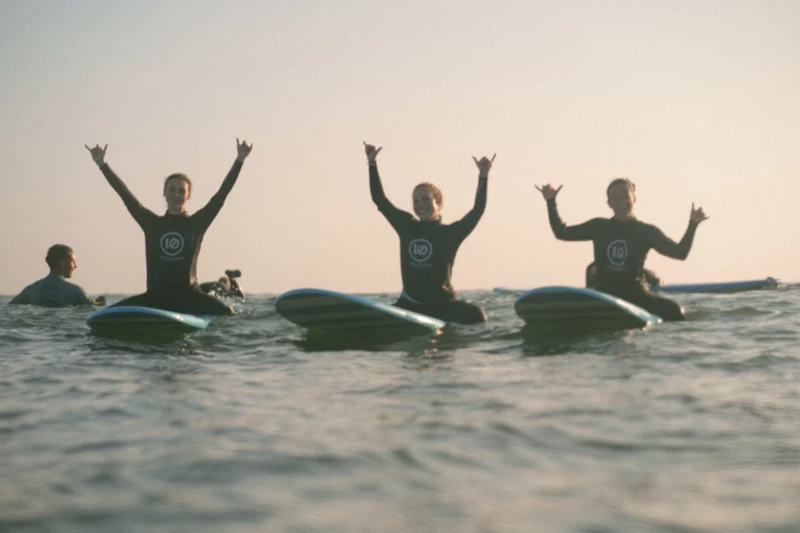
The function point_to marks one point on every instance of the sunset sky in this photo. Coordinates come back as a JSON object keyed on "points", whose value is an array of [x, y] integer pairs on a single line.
{"points": [[693, 101]]}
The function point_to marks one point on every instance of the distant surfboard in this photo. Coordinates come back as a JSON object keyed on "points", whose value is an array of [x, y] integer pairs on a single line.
{"points": [[329, 311], [727, 287], [133, 320], [719, 288], [571, 308]]}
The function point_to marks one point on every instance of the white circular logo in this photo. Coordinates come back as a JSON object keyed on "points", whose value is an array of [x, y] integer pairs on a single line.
{"points": [[172, 243], [617, 252], [420, 250]]}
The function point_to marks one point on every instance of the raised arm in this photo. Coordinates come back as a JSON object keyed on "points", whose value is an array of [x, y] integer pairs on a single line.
{"points": [[393, 215], [581, 232], [136, 209], [666, 246], [210, 210], [471, 219]]}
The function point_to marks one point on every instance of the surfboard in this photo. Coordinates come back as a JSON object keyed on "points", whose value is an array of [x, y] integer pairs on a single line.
{"points": [[719, 288], [727, 287], [329, 311], [571, 308], [130, 319]]}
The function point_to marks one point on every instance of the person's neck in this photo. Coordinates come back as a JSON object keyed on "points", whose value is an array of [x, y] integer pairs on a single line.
{"points": [[55, 272], [176, 210], [624, 218]]}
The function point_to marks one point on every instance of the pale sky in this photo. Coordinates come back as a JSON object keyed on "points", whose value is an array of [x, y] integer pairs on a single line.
{"points": [[693, 101]]}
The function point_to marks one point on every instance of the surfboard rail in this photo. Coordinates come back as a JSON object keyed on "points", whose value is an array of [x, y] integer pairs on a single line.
{"points": [[132, 319], [565, 308], [325, 310]]}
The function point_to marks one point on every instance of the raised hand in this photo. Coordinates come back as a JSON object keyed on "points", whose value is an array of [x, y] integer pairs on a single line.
{"points": [[243, 149], [697, 215], [372, 153], [98, 154], [484, 165], [548, 192]]}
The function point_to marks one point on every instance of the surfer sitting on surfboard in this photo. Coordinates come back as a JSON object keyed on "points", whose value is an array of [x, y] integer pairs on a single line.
{"points": [[591, 277], [172, 241], [621, 244], [225, 287], [428, 247], [54, 290]]}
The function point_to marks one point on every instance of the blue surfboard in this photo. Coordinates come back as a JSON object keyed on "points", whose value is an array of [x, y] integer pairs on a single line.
{"points": [[719, 288], [329, 311], [727, 287], [130, 319], [571, 308]]}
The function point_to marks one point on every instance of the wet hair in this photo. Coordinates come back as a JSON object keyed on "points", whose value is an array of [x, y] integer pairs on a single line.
{"points": [[182, 177], [437, 194], [56, 253], [619, 181]]}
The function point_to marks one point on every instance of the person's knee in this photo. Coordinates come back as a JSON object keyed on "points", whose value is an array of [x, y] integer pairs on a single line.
{"points": [[668, 310], [467, 313], [675, 313]]}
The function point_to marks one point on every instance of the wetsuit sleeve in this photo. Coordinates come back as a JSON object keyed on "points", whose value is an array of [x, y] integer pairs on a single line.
{"points": [[209, 212], [22, 298], [81, 298], [666, 246], [471, 219], [581, 232], [136, 209], [396, 217]]}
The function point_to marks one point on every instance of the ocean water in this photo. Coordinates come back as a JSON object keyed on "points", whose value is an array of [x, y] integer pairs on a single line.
{"points": [[247, 426]]}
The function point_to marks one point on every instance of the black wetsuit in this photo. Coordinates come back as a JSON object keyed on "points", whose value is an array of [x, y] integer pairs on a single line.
{"points": [[172, 245], [620, 249], [427, 253], [591, 277]]}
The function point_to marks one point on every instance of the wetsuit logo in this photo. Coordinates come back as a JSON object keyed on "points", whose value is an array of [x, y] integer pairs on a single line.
{"points": [[420, 250], [172, 243], [617, 253]]}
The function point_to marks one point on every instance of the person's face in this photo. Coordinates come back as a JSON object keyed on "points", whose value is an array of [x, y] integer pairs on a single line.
{"points": [[67, 265], [176, 193], [425, 205], [621, 200]]}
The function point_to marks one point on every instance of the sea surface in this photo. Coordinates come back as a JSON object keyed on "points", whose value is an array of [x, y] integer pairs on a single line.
{"points": [[248, 427]]}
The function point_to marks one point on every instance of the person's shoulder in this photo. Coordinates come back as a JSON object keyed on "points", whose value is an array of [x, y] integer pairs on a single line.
{"points": [[647, 226], [36, 283]]}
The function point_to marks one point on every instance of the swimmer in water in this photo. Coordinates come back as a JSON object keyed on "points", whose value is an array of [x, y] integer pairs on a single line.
{"points": [[226, 286], [54, 290]]}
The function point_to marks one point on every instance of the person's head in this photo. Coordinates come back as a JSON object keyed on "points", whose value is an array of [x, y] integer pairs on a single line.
{"points": [[621, 194], [428, 201], [177, 190], [61, 260]]}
